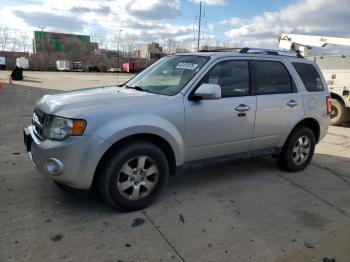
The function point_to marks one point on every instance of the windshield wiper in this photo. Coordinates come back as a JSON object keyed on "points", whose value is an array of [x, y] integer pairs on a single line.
{"points": [[138, 88]]}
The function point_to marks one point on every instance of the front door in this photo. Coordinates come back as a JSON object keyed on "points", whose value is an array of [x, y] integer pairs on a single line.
{"points": [[222, 126]]}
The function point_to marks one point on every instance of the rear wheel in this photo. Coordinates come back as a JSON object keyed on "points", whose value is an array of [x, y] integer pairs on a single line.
{"points": [[133, 176], [298, 150], [338, 114]]}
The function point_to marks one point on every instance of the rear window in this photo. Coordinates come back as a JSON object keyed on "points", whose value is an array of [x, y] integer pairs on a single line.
{"points": [[310, 77], [272, 78]]}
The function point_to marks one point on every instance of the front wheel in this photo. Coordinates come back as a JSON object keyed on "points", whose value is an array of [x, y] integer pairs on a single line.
{"points": [[298, 150], [133, 176]]}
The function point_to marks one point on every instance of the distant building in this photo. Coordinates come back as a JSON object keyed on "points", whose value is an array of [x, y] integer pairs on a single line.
{"points": [[151, 51], [50, 41], [209, 47], [212, 48], [181, 50], [108, 53], [136, 54], [94, 45]]}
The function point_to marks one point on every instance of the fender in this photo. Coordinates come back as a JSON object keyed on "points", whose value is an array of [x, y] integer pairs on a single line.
{"points": [[122, 127]]}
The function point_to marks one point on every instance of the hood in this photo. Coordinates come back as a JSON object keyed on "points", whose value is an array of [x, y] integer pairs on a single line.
{"points": [[76, 104]]}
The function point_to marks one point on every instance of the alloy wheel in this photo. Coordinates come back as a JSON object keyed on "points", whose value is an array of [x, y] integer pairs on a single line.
{"points": [[137, 178], [301, 150]]}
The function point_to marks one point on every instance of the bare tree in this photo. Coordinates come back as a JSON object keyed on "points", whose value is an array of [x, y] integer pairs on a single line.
{"points": [[23, 41], [171, 46], [15, 41], [128, 43], [3, 37], [100, 38]]}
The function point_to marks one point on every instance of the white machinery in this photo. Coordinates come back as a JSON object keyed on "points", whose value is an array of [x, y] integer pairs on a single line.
{"points": [[22, 62], [303, 44], [336, 69], [63, 65]]}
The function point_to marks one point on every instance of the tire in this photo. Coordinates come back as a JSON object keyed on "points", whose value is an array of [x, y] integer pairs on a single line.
{"points": [[347, 115], [133, 176], [298, 150], [338, 114]]}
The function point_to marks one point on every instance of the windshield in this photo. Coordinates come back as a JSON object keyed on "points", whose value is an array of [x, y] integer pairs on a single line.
{"points": [[169, 75]]}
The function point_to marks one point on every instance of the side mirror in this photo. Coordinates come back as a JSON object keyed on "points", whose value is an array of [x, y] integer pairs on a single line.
{"points": [[207, 92]]}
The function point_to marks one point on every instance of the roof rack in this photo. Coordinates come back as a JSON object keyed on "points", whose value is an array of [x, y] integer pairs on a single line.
{"points": [[248, 50], [224, 49], [261, 51]]}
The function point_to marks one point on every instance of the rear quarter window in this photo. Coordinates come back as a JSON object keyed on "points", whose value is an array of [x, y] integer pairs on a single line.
{"points": [[310, 77]]}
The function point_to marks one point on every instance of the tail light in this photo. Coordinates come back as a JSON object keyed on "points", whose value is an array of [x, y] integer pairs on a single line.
{"points": [[329, 105]]}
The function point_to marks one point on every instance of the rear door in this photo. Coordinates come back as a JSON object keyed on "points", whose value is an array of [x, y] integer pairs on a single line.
{"points": [[314, 92], [279, 105]]}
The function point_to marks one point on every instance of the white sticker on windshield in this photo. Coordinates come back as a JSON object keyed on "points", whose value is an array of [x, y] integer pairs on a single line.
{"points": [[188, 66]]}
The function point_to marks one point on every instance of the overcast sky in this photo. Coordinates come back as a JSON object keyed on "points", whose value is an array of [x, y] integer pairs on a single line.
{"points": [[243, 23]]}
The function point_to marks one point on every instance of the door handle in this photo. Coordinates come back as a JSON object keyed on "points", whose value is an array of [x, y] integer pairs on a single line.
{"points": [[242, 108], [292, 103]]}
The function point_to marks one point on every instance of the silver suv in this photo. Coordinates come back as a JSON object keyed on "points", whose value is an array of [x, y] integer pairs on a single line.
{"points": [[187, 107]]}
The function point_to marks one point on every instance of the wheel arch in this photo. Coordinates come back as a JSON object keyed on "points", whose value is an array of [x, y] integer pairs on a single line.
{"points": [[311, 123], [157, 140], [338, 97]]}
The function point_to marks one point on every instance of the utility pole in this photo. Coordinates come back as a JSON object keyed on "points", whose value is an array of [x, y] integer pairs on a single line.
{"points": [[42, 38], [199, 24], [119, 31]]}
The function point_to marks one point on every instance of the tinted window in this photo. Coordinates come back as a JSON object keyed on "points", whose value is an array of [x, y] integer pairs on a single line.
{"points": [[232, 76], [310, 77], [272, 78]]}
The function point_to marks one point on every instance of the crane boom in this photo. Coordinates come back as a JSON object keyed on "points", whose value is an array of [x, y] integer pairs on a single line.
{"points": [[303, 43]]}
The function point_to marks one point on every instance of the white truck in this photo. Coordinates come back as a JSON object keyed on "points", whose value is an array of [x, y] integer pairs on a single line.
{"points": [[63, 65], [22, 62], [2, 63], [335, 68]]}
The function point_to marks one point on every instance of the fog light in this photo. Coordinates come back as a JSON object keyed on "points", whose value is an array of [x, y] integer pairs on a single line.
{"points": [[54, 166]]}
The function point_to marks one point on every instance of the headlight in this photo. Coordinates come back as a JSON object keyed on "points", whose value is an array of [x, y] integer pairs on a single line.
{"points": [[59, 128]]}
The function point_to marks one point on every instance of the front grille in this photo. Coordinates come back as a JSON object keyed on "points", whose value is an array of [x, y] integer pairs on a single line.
{"points": [[39, 120]]}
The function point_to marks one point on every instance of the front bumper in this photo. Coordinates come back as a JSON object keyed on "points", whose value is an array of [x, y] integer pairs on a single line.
{"points": [[72, 161]]}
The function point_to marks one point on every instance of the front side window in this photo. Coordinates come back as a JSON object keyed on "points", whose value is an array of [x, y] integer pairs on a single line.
{"points": [[310, 77], [232, 76], [169, 75], [272, 78]]}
